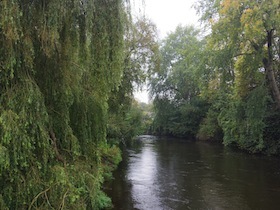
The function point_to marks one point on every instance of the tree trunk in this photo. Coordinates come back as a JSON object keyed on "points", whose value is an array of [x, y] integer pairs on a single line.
{"points": [[268, 65]]}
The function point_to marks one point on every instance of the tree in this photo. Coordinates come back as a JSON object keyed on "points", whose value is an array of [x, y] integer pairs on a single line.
{"points": [[253, 40], [141, 57], [59, 62], [175, 87], [247, 75]]}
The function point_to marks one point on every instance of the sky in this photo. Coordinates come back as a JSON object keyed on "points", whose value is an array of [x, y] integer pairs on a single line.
{"points": [[167, 15]]}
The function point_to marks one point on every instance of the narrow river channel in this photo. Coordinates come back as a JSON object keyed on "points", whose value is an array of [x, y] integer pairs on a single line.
{"points": [[176, 174]]}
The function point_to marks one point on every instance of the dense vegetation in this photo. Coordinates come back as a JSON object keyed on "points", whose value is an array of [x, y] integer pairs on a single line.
{"points": [[67, 73], [225, 85], [67, 68]]}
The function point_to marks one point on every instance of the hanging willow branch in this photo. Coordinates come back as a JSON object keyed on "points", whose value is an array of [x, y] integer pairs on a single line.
{"points": [[36, 198], [59, 62], [57, 154]]}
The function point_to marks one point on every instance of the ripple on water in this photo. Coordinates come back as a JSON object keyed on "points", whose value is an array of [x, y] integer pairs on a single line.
{"points": [[166, 174]]}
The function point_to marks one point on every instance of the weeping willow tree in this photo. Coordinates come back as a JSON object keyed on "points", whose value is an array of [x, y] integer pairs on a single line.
{"points": [[59, 62]]}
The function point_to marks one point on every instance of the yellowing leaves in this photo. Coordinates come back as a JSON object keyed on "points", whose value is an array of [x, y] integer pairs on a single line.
{"points": [[9, 20], [229, 6], [252, 23]]}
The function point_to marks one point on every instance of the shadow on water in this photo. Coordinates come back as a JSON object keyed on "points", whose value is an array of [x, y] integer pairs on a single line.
{"points": [[164, 173]]}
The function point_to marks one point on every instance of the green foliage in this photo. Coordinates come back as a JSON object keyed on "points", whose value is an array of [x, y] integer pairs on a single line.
{"points": [[241, 68], [25, 147], [225, 85], [125, 127], [112, 154], [209, 127], [218, 97], [141, 50], [59, 63], [178, 120], [125, 117], [243, 121], [272, 141], [176, 86], [147, 118]]}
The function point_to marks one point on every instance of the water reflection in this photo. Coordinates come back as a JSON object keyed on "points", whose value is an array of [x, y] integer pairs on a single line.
{"points": [[142, 175], [163, 174]]}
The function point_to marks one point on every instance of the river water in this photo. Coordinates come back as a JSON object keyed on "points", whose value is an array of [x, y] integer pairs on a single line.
{"points": [[176, 174]]}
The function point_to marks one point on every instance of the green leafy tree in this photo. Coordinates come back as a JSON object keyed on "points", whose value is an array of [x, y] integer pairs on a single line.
{"points": [[252, 40], [59, 62], [141, 57], [248, 73], [175, 87]]}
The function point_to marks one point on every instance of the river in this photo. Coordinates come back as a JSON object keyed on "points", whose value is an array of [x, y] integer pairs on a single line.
{"points": [[176, 174]]}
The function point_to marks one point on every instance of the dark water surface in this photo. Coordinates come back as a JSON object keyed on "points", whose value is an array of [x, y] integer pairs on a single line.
{"points": [[165, 174]]}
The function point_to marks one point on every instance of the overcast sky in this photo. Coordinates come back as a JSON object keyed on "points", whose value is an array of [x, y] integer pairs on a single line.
{"points": [[167, 15]]}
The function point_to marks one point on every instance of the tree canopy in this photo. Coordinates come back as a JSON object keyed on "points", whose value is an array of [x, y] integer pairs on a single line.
{"points": [[228, 79], [60, 61], [175, 86], [68, 69]]}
